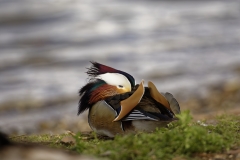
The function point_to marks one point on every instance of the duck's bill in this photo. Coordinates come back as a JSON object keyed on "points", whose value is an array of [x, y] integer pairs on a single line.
{"points": [[128, 104]]}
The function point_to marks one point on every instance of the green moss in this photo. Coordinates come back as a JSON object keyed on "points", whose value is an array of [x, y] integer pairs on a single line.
{"points": [[184, 138], [45, 139]]}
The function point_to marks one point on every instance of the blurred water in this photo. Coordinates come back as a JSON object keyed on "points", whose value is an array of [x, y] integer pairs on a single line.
{"points": [[45, 47]]}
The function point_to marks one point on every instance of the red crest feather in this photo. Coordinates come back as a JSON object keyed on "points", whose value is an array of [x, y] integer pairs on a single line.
{"points": [[98, 69]]}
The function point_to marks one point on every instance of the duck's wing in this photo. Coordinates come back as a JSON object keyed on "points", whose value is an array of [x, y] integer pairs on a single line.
{"points": [[131, 102], [165, 99], [125, 106], [150, 109], [144, 103], [139, 114]]}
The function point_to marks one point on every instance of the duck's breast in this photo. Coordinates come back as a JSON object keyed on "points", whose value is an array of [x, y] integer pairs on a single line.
{"points": [[101, 117]]}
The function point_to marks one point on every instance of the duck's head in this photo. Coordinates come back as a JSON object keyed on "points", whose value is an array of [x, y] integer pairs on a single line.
{"points": [[104, 82]]}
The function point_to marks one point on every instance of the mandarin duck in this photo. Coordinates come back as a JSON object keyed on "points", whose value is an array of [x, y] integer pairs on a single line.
{"points": [[118, 106]]}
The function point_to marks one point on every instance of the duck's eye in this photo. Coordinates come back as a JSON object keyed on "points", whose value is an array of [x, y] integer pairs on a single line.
{"points": [[120, 86]]}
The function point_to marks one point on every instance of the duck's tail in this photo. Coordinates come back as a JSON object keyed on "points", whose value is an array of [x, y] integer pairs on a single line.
{"points": [[174, 105]]}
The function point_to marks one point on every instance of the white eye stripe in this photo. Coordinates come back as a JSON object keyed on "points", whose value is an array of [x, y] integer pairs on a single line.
{"points": [[115, 79]]}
